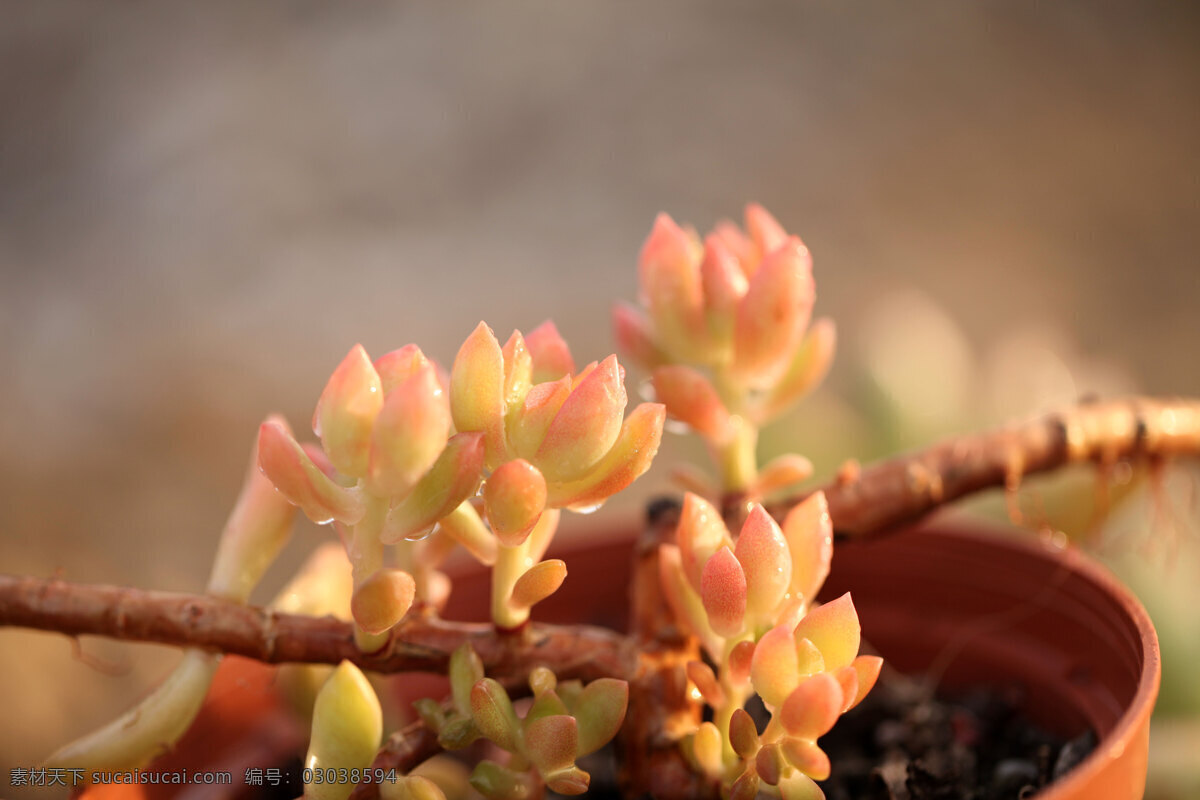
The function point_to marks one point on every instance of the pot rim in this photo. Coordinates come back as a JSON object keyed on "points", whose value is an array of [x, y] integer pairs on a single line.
{"points": [[1136, 713]]}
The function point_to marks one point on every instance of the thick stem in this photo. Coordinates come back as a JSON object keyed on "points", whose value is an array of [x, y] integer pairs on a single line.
{"points": [[511, 563], [421, 642], [738, 457], [366, 557]]}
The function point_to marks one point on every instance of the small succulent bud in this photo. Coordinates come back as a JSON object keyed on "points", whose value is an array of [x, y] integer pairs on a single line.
{"points": [[542, 680], [809, 534], [702, 675], [835, 631], [541, 404], [763, 554], [549, 353], [812, 707], [493, 714], [723, 589], [382, 600], [743, 735], [302, 482], [518, 370], [740, 660], [347, 410], [409, 434], [347, 728], [466, 670], [806, 756], [453, 478], [706, 746], [538, 583], [690, 398], [514, 496], [774, 314], [765, 231], [724, 285]]}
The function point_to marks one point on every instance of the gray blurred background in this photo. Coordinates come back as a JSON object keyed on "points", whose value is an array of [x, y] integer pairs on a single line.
{"points": [[203, 206]]}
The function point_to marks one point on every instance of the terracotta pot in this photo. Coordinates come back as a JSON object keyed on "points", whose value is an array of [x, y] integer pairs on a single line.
{"points": [[984, 607]]}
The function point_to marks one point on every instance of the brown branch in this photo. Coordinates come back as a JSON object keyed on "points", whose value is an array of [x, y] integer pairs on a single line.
{"points": [[900, 490], [403, 750], [422, 642]]}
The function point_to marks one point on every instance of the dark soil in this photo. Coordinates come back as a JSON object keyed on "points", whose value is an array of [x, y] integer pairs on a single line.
{"points": [[900, 744]]}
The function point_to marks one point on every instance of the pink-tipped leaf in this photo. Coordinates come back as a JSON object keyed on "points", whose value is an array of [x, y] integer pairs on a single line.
{"points": [[700, 533], [302, 482], [808, 368], [834, 629], [551, 358], [706, 682], [806, 756], [514, 497], [586, 425], [635, 338], [399, 365], [774, 670], [765, 231], [764, 557], [690, 398], [671, 289], [477, 390], [453, 478], [809, 534], [347, 410], [812, 708], [773, 315], [867, 669], [723, 590], [409, 435], [636, 445]]}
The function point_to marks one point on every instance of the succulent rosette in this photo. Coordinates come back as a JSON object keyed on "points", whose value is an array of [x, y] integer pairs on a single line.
{"points": [[750, 601], [552, 437]]}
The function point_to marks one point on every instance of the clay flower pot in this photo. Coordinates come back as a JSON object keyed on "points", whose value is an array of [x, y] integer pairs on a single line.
{"points": [[984, 607]]}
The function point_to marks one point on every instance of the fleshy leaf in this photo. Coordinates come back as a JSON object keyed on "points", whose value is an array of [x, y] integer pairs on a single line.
{"points": [[527, 428], [518, 371], [409, 435], [701, 532], [298, 479], [538, 583], [724, 286], [514, 496], [809, 534], [551, 743], [569, 781], [798, 786], [346, 412], [635, 340], [773, 315], [808, 368], [769, 763], [806, 756], [745, 787], [399, 365], [847, 678], [835, 630], [549, 352], [774, 670], [706, 746], [671, 289], [600, 710], [493, 714], [741, 658], [257, 529], [809, 660], [477, 390], [723, 591], [812, 707], [382, 600], [630, 456], [684, 601], [739, 244], [417, 787], [764, 557], [783, 472], [586, 426], [498, 782], [765, 231], [346, 729], [690, 398], [743, 735], [465, 671], [706, 682], [452, 479], [867, 668]]}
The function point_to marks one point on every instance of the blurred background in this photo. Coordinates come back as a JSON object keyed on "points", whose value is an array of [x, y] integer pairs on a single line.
{"points": [[203, 206]]}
